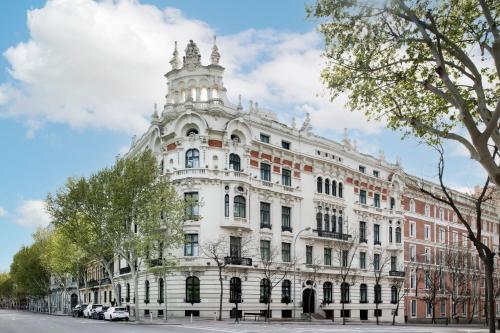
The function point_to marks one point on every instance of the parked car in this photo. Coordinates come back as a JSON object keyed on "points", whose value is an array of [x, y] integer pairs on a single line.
{"points": [[116, 313], [98, 313], [78, 310], [87, 313]]}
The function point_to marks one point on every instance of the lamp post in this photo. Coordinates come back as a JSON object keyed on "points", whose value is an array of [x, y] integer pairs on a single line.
{"points": [[294, 262]]}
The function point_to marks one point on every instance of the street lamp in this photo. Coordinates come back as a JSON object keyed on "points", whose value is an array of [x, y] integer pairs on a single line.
{"points": [[294, 262]]}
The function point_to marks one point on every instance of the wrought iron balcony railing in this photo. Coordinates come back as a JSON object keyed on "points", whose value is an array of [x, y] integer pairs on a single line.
{"points": [[397, 273], [238, 261], [334, 235]]}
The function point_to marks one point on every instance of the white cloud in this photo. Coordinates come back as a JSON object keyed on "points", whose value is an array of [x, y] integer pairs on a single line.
{"points": [[32, 213], [3, 212], [101, 64]]}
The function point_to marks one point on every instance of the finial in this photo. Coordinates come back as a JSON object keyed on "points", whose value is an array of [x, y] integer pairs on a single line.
{"points": [[175, 62], [398, 160], [215, 56], [155, 113], [192, 58], [306, 125], [239, 107], [381, 155], [294, 122]]}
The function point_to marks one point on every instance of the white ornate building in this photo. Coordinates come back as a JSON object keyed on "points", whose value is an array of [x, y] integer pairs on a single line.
{"points": [[282, 186]]}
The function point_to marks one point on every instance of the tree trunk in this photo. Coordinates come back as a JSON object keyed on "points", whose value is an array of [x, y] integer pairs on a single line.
{"points": [[433, 312], [221, 293], [268, 314], [343, 311], [490, 294], [135, 277], [165, 296], [376, 311], [111, 275], [395, 313]]}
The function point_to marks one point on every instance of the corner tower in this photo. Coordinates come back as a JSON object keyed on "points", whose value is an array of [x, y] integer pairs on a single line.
{"points": [[193, 82]]}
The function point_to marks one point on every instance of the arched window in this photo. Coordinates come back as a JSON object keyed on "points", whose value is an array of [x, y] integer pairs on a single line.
{"points": [[235, 290], [394, 295], [192, 290], [390, 234], [341, 190], [146, 288], [319, 185], [265, 291], [127, 293], [226, 205], [192, 131], [319, 223], [398, 235], [344, 293], [327, 222], [377, 293], [334, 188], [234, 162], [239, 206], [327, 293], [286, 288], [363, 293], [327, 186], [119, 288], [161, 291], [192, 158], [393, 203]]}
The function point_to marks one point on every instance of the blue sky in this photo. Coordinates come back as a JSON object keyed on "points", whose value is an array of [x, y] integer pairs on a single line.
{"points": [[79, 78]]}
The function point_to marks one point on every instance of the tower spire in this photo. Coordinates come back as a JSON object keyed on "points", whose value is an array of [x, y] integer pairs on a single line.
{"points": [[215, 56], [174, 62], [192, 58]]}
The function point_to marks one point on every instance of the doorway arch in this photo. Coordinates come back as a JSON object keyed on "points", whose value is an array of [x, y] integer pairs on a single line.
{"points": [[308, 300], [74, 300]]}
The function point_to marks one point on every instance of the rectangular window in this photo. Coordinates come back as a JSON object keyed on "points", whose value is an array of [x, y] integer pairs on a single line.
{"points": [[362, 169], [413, 280], [362, 232], [309, 255], [345, 258], [265, 172], [362, 260], [285, 144], [328, 256], [285, 252], [376, 200], [412, 229], [235, 247], [427, 255], [286, 177], [376, 173], [192, 205], [191, 245], [427, 232], [265, 250], [286, 216], [376, 234], [413, 307], [441, 235], [264, 138], [376, 261], [394, 263], [362, 197], [265, 215]]}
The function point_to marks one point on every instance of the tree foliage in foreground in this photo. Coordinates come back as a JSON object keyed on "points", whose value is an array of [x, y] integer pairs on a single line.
{"points": [[430, 68]]}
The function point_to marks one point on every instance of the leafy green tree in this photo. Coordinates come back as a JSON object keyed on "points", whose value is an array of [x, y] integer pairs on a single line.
{"points": [[7, 289], [430, 68], [29, 274]]}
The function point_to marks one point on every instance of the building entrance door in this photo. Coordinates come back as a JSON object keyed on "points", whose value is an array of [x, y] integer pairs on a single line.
{"points": [[308, 299]]}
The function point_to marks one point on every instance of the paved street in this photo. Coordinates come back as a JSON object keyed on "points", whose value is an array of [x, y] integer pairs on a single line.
{"points": [[25, 322]]}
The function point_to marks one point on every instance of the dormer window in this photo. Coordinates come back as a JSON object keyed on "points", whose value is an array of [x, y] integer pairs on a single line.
{"points": [[376, 173], [362, 168], [285, 145], [235, 138]]}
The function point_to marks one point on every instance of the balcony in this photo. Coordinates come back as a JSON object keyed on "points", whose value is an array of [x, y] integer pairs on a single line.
{"points": [[92, 283], [239, 223], [266, 226], [363, 240], [286, 228], [333, 235], [397, 273], [239, 261], [125, 270], [377, 242], [105, 281]]}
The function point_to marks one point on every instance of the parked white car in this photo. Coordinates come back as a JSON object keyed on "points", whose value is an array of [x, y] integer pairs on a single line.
{"points": [[116, 313], [87, 313]]}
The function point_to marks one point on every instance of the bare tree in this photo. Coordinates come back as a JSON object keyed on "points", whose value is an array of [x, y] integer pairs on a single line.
{"points": [[455, 262], [345, 249], [223, 254], [401, 291], [379, 261], [472, 220], [433, 286], [273, 272]]}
